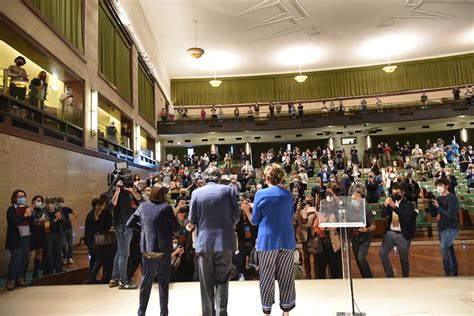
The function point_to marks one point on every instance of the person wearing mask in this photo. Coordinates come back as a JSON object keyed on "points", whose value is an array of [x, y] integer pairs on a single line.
{"points": [[214, 213], [18, 238], [38, 90], [412, 189], [246, 236], [375, 167], [401, 225], [89, 233], [361, 237], [112, 132], [236, 114], [445, 209], [157, 223], [38, 234], [273, 213], [329, 248], [387, 152], [470, 176], [464, 160], [372, 185], [18, 79], [235, 185], [324, 175], [305, 216], [296, 187], [125, 202], [105, 242], [54, 236], [69, 215]]}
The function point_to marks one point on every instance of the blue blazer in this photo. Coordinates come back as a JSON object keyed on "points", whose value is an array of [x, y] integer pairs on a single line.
{"points": [[214, 212]]}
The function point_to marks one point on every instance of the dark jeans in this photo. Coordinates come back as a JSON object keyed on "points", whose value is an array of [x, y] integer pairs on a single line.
{"points": [[53, 254], [328, 257], [106, 255], [18, 259], [124, 237], [214, 275], [307, 262], [67, 243], [16, 92], [390, 241], [360, 247], [94, 262], [151, 268], [446, 242]]}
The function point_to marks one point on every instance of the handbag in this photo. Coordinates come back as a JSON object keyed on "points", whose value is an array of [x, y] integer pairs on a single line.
{"points": [[104, 239], [313, 245]]}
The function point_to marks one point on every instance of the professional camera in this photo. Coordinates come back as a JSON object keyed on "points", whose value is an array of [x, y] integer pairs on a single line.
{"points": [[121, 173]]}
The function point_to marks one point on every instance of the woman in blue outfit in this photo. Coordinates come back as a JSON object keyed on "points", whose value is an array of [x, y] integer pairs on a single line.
{"points": [[273, 213]]}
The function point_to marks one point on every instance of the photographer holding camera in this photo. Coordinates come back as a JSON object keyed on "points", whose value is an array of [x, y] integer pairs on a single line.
{"points": [[401, 225], [305, 216], [445, 209], [125, 201]]}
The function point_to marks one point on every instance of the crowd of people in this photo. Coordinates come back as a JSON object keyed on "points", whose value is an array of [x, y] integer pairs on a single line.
{"points": [[274, 110], [119, 240]]}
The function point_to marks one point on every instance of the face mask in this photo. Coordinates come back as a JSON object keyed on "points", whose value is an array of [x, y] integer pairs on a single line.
{"points": [[440, 189], [61, 205], [22, 201], [356, 203], [38, 205], [397, 197], [329, 198], [463, 152], [175, 245]]}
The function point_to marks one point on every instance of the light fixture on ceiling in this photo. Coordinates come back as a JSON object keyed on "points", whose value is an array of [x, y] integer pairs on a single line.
{"points": [[195, 52], [301, 78], [389, 68], [215, 83]]}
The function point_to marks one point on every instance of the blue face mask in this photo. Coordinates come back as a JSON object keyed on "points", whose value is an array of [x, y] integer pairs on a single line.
{"points": [[356, 203], [22, 201]]}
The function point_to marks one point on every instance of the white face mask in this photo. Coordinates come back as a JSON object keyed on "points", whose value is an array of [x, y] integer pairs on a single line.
{"points": [[175, 245], [329, 198], [440, 189], [38, 205]]}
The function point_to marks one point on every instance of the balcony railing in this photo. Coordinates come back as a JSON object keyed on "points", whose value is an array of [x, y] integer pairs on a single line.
{"points": [[109, 147], [317, 113], [21, 115]]}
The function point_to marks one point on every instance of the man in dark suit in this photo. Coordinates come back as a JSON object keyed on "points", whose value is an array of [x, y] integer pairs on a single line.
{"points": [[214, 213], [401, 225]]}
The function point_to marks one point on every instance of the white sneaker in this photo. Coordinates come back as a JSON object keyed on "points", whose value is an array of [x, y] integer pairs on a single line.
{"points": [[71, 261], [65, 261]]}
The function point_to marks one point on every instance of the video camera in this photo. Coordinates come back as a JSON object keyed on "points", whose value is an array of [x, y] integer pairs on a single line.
{"points": [[121, 173]]}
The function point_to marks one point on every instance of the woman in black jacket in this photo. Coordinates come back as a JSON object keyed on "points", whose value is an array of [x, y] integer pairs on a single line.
{"points": [[38, 233], [105, 245], [157, 223], [18, 238]]}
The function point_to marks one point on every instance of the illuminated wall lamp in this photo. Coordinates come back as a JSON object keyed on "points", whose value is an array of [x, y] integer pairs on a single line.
{"points": [[464, 135], [158, 151], [94, 112]]}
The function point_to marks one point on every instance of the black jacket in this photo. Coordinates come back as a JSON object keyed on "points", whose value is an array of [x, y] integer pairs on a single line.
{"points": [[407, 217], [13, 240]]}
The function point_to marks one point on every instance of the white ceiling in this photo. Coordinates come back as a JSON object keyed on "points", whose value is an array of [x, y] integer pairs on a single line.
{"points": [[277, 35]]}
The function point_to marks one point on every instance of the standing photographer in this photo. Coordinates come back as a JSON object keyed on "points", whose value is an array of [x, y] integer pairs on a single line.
{"points": [[401, 225], [125, 201], [305, 216], [445, 210]]}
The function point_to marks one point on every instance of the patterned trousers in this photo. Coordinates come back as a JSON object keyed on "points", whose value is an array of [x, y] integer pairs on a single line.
{"points": [[277, 265]]}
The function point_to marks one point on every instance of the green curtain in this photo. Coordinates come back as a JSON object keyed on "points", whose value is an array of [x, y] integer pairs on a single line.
{"points": [[114, 54], [423, 74], [66, 16], [146, 100]]}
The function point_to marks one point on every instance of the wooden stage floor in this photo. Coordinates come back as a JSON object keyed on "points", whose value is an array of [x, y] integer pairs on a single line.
{"points": [[376, 297]]}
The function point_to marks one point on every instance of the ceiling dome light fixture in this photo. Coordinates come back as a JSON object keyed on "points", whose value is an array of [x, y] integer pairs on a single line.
{"points": [[301, 78], [195, 52], [215, 83]]}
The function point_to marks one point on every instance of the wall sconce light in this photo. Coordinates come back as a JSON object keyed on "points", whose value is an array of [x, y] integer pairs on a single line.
{"points": [[94, 112], [158, 151], [369, 142], [331, 143], [464, 135], [137, 139]]}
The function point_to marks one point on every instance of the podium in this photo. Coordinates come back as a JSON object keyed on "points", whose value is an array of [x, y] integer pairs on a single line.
{"points": [[343, 212]]}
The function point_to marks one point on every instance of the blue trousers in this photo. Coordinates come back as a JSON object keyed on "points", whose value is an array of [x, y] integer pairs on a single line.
{"points": [[446, 242], [160, 267], [18, 259]]}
